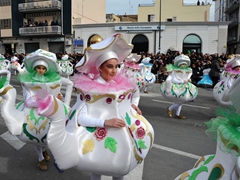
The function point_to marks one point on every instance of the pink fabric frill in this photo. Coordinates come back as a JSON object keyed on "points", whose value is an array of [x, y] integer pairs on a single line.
{"points": [[131, 65], [41, 100], [230, 70], [88, 83]]}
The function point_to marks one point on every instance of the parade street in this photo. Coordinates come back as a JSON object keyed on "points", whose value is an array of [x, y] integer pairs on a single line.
{"points": [[178, 144]]}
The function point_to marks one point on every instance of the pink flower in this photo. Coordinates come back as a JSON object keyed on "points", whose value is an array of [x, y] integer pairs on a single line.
{"points": [[137, 122], [140, 133], [100, 133]]}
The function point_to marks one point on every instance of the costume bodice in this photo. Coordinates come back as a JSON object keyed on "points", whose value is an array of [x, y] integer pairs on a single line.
{"points": [[114, 102], [182, 74]]}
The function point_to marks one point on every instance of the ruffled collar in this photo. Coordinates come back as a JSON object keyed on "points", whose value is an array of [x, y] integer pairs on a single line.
{"points": [[95, 83]]}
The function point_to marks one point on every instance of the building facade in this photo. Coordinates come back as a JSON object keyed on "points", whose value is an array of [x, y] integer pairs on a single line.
{"points": [[201, 37], [228, 10], [173, 11], [26, 25]]}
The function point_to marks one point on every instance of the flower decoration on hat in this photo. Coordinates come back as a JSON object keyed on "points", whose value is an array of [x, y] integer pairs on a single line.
{"points": [[41, 57], [96, 54]]}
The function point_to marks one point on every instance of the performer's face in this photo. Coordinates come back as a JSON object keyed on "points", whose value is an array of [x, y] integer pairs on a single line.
{"points": [[41, 70], [182, 66], [108, 69]]}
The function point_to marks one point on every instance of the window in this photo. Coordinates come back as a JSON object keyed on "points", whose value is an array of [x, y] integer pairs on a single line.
{"points": [[5, 2], [169, 20], [5, 24]]}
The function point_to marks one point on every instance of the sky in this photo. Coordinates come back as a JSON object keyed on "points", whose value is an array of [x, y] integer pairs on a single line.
{"points": [[120, 7]]}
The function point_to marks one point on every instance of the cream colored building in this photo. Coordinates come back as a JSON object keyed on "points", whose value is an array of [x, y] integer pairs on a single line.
{"points": [[14, 37], [201, 37], [173, 11]]}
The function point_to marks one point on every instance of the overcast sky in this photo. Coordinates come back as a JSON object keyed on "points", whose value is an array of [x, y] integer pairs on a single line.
{"points": [[120, 7]]}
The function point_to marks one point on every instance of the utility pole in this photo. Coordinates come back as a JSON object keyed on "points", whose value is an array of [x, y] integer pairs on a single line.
{"points": [[160, 23]]}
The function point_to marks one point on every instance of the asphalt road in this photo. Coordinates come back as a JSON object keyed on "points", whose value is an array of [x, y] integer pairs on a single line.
{"points": [[177, 144]]}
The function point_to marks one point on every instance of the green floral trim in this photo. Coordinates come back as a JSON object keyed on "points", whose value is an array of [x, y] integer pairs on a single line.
{"points": [[31, 137], [49, 76]]}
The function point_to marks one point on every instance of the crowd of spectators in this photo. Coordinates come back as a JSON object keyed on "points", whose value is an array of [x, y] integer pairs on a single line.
{"points": [[40, 23], [199, 62]]}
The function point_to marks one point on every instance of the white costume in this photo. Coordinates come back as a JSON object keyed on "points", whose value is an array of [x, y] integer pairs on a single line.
{"points": [[177, 87], [220, 90], [98, 149]]}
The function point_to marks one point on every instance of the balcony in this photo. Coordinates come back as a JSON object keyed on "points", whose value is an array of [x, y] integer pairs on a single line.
{"points": [[40, 30], [234, 5], [39, 6]]}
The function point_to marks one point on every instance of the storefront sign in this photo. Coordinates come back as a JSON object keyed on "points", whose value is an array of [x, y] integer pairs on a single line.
{"points": [[138, 28]]}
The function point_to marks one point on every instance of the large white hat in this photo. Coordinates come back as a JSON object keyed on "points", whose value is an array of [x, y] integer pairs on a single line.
{"points": [[181, 59], [41, 57], [234, 61], [94, 55]]}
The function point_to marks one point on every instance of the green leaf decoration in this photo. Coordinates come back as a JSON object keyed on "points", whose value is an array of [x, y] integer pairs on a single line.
{"points": [[128, 119], [209, 159], [197, 172], [216, 173], [141, 144], [91, 129], [110, 143]]}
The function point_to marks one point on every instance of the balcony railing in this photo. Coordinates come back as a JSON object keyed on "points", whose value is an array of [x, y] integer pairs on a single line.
{"points": [[40, 30], [39, 6]]}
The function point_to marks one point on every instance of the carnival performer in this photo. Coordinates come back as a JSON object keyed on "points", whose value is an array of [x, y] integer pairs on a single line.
{"points": [[224, 129], [14, 62], [41, 73], [4, 63], [112, 137], [230, 74], [131, 69], [177, 87], [66, 67]]}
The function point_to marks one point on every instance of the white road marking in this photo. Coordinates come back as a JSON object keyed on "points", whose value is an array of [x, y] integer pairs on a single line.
{"points": [[167, 102], [12, 140], [176, 151]]}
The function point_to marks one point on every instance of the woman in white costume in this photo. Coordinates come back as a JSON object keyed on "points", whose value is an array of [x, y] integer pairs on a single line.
{"points": [[40, 73], [178, 87], [113, 138]]}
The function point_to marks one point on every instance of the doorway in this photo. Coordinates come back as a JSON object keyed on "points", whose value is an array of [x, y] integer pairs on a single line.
{"points": [[140, 43], [192, 43]]}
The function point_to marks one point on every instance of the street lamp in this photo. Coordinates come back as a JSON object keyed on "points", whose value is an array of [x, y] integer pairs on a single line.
{"points": [[160, 22]]}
